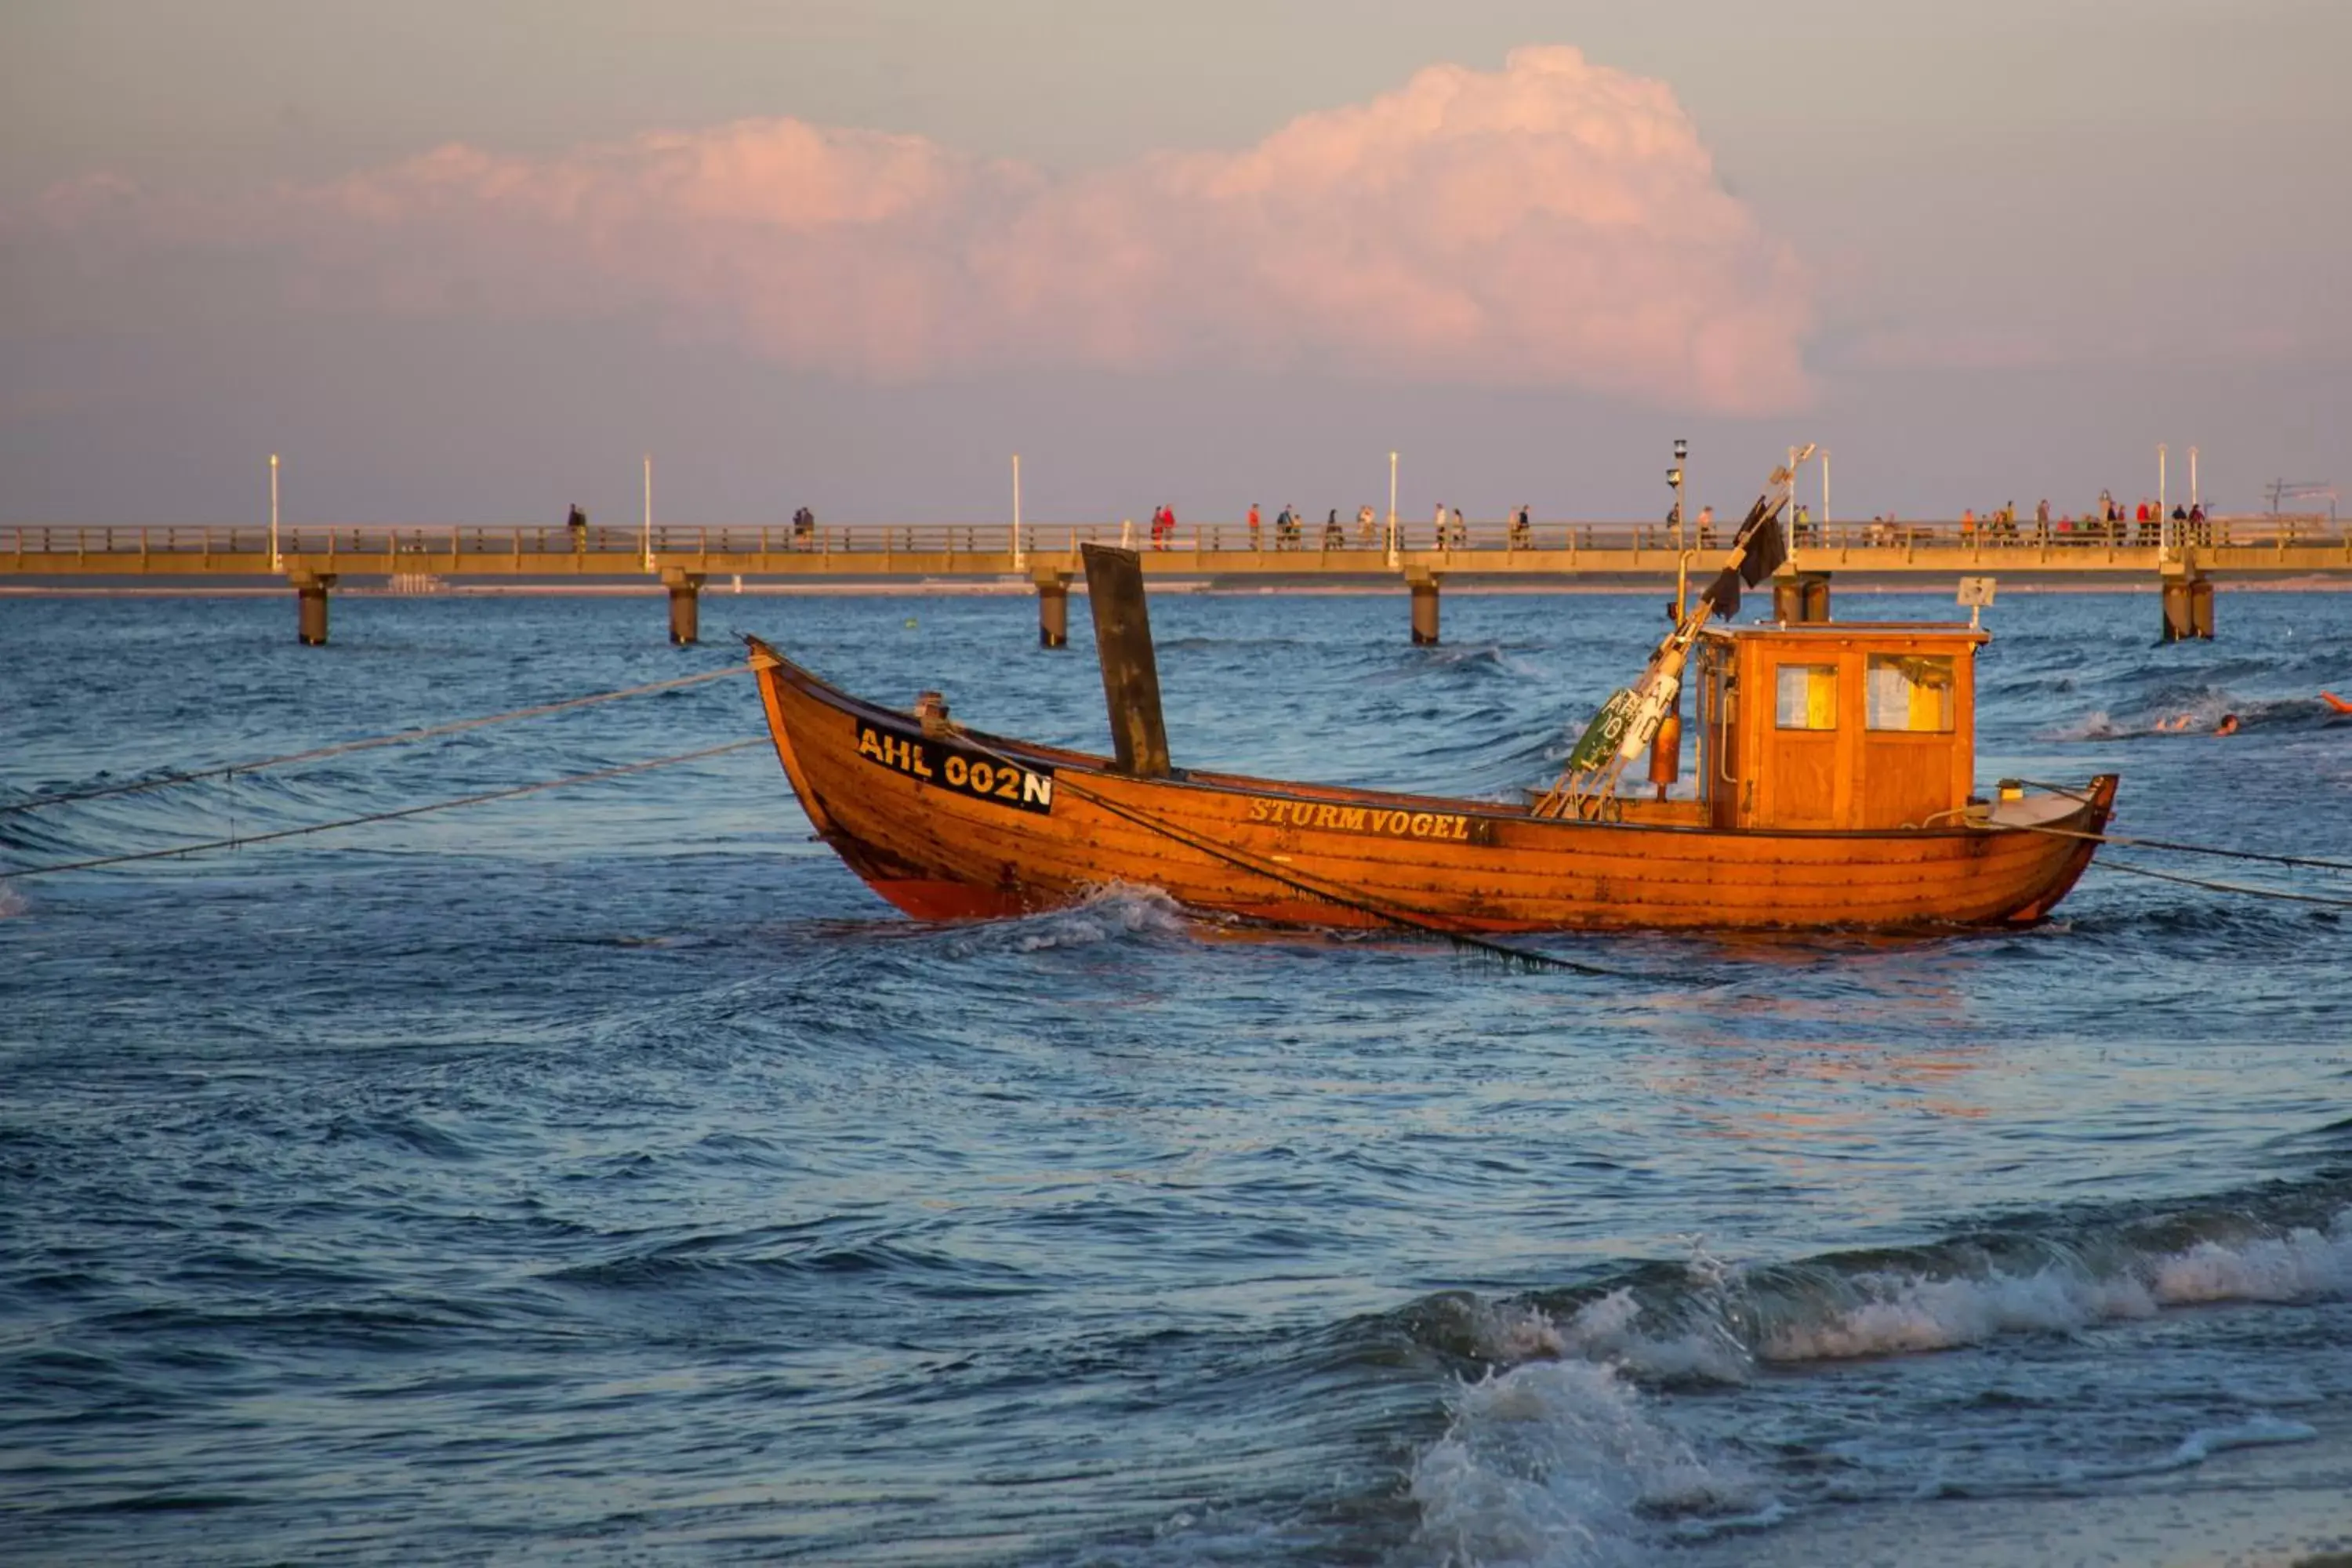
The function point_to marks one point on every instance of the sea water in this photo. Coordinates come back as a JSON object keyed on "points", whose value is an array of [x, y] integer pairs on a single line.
{"points": [[605, 1175]]}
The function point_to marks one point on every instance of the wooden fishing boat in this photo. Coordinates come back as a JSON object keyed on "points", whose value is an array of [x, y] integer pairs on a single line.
{"points": [[1834, 791]]}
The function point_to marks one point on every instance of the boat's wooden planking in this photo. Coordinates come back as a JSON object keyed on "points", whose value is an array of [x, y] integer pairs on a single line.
{"points": [[903, 810]]}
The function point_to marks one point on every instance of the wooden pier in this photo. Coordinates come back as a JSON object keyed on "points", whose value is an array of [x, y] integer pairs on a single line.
{"points": [[312, 560]]}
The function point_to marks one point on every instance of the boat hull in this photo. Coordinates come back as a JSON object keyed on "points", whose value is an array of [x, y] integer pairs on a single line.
{"points": [[955, 824]]}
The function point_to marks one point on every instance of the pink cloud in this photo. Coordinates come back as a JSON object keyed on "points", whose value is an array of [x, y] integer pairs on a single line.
{"points": [[1553, 224]]}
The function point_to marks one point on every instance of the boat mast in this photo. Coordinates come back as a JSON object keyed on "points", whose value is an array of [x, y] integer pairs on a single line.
{"points": [[1629, 721]]}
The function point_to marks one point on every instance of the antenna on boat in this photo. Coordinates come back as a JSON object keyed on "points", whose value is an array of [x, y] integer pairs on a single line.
{"points": [[1629, 721]]}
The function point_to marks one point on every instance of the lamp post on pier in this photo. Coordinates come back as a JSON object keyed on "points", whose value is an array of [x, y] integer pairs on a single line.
{"points": [[1393, 526], [277, 558], [1674, 478], [1019, 555], [2165, 541]]}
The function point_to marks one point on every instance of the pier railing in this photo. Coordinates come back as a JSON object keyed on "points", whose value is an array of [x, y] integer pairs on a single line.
{"points": [[107, 548]]}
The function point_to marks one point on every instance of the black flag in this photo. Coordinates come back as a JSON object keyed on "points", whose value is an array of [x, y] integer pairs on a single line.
{"points": [[1765, 551], [1724, 592]]}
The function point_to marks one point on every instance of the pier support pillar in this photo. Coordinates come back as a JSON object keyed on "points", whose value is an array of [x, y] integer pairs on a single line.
{"points": [[2188, 605], [685, 605], [1053, 608], [1423, 586], [310, 605], [1802, 598]]}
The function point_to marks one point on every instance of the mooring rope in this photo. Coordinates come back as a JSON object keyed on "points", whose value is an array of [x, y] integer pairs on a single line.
{"points": [[2114, 865], [1407, 918], [240, 841], [344, 748], [2127, 841], [1410, 919]]}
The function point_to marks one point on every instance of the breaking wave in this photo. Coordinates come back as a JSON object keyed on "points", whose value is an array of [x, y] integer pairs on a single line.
{"points": [[1711, 1322], [1565, 1445], [1117, 912], [1567, 1463]]}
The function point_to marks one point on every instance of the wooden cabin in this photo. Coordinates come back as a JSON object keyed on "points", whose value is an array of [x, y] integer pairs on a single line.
{"points": [[1846, 725]]}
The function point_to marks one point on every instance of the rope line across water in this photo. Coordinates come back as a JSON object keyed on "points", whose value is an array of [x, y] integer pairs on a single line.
{"points": [[392, 816], [402, 738], [2115, 865], [2126, 841], [1403, 918]]}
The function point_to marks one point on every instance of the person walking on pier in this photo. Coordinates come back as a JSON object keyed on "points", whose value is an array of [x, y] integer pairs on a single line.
{"points": [[1523, 533], [803, 528], [1254, 531], [578, 523], [1364, 520], [1437, 525]]}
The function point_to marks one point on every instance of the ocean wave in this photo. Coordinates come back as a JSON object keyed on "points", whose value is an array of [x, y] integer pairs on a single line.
{"points": [[1971, 1291], [2256, 1431], [1117, 912], [1710, 1322], [1567, 1463]]}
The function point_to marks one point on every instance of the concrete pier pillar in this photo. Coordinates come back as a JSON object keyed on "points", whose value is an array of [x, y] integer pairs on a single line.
{"points": [[1424, 606], [685, 605], [1802, 598], [1053, 608], [2187, 606], [310, 605]]}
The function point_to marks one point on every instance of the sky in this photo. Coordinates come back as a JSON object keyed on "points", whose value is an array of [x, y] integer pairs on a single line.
{"points": [[470, 261]]}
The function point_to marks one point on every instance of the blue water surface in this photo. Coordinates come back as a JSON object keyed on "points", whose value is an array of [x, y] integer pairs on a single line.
{"points": [[605, 1175]]}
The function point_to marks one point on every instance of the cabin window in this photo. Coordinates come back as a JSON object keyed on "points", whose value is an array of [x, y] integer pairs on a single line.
{"points": [[1808, 696], [1910, 691]]}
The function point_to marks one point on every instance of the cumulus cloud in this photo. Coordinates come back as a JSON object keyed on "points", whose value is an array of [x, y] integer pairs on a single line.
{"points": [[1553, 224]]}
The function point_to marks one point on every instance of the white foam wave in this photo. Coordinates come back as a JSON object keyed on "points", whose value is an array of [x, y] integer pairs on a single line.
{"points": [[1619, 1329], [1561, 1463], [1114, 911], [1900, 1312], [1111, 912], [2300, 1265], [2255, 1431], [1730, 1321], [1612, 1328], [2207, 1441], [1907, 1313], [12, 902]]}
